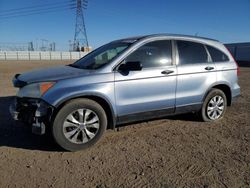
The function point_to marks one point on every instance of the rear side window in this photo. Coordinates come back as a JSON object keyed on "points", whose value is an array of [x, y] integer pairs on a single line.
{"points": [[191, 52], [153, 54], [217, 55]]}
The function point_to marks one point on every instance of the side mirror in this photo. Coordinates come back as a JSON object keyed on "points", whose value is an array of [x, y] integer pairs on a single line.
{"points": [[130, 66]]}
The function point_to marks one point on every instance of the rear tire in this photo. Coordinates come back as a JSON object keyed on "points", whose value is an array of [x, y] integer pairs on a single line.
{"points": [[214, 106], [79, 124]]}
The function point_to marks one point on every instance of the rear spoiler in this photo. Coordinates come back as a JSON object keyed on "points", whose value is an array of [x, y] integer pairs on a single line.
{"points": [[18, 83]]}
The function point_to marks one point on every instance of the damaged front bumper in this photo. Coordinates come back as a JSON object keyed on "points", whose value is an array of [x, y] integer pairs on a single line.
{"points": [[35, 112]]}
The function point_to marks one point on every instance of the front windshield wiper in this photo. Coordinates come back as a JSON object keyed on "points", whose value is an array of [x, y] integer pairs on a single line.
{"points": [[79, 67], [73, 65]]}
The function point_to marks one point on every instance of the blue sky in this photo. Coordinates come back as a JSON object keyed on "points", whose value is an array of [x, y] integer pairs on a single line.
{"points": [[225, 20]]}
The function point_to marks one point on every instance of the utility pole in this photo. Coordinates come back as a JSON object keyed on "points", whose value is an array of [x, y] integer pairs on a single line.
{"points": [[80, 38]]}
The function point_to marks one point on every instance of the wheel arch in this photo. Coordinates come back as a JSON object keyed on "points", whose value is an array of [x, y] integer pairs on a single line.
{"points": [[106, 105], [223, 87]]}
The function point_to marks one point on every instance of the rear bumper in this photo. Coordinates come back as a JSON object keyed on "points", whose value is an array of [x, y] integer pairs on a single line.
{"points": [[235, 92], [34, 112]]}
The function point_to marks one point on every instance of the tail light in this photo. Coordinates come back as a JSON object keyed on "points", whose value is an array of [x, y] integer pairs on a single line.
{"points": [[238, 68]]}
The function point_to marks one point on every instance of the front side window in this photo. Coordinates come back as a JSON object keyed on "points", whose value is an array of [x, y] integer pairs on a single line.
{"points": [[217, 55], [153, 54], [101, 56], [191, 52]]}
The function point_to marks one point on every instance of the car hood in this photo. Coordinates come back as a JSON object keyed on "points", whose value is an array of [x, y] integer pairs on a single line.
{"points": [[52, 74]]}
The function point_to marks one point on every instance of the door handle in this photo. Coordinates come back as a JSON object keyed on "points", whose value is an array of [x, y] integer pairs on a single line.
{"points": [[167, 72], [209, 68]]}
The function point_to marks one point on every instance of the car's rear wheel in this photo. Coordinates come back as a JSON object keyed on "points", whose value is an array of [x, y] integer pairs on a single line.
{"points": [[214, 106], [79, 124]]}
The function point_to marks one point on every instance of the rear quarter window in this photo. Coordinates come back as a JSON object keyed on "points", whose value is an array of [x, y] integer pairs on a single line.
{"points": [[217, 55]]}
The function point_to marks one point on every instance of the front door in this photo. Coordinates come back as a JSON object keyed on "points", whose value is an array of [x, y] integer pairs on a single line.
{"points": [[151, 91]]}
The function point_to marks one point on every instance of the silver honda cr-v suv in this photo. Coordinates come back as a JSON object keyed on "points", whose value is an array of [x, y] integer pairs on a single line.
{"points": [[127, 80]]}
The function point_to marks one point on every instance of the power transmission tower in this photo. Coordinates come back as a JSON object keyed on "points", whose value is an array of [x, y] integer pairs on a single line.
{"points": [[80, 39]]}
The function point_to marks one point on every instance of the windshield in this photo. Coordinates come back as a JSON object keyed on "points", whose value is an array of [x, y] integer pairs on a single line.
{"points": [[101, 56]]}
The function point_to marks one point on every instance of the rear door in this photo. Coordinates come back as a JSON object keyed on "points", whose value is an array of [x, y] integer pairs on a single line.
{"points": [[196, 73]]}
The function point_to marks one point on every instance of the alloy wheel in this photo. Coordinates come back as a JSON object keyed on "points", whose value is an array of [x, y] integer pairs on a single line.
{"points": [[215, 107], [81, 126]]}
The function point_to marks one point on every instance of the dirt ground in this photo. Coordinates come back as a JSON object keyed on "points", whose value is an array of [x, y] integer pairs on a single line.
{"points": [[172, 152]]}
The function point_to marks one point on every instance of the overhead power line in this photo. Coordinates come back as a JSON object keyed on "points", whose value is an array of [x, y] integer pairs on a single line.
{"points": [[35, 9], [35, 6], [35, 13], [38, 9]]}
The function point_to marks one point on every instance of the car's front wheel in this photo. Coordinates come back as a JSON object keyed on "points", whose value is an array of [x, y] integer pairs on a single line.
{"points": [[79, 124], [214, 106]]}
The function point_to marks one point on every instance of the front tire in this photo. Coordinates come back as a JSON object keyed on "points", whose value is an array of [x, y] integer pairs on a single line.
{"points": [[79, 124], [214, 106]]}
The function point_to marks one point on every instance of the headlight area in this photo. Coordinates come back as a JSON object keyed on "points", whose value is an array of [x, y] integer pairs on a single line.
{"points": [[35, 90], [35, 112]]}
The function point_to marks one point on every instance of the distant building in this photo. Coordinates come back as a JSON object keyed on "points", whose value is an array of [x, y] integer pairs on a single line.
{"points": [[241, 52]]}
